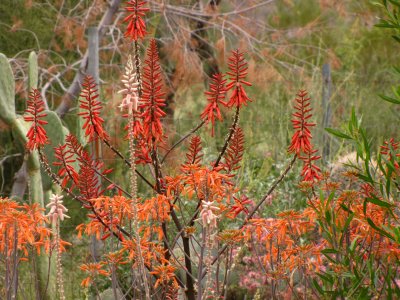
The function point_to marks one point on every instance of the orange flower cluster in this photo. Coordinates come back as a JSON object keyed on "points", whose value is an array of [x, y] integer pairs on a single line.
{"points": [[201, 182], [283, 253], [113, 213], [23, 227], [312, 242], [165, 274], [363, 214], [93, 270], [116, 214]]}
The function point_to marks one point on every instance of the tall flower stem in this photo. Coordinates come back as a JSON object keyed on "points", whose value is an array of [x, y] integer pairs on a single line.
{"points": [[133, 183], [229, 137], [60, 278], [201, 260]]}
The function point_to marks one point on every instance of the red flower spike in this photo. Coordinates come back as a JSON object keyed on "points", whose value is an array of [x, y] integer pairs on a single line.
{"points": [[194, 155], [152, 97], [74, 146], [136, 26], [238, 71], [92, 107], [389, 148], [88, 183], [368, 190], [83, 156], [234, 153], [301, 140], [310, 172], [64, 158], [239, 205], [215, 96], [142, 152], [36, 135]]}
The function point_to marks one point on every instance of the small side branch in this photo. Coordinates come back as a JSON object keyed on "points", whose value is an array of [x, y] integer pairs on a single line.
{"points": [[272, 188], [187, 135], [231, 132]]}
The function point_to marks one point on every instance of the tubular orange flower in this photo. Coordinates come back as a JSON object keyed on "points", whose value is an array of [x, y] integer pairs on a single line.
{"points": [[215, 96], [93, 122], [83, 157], [36, 135], [238, 71], [136, 26], [142, 152], [73, 145], [94, 269], [22, 227], [157, 208], [137, 125], [152, 97], [239, 205], [165, 274], [301, 140]]}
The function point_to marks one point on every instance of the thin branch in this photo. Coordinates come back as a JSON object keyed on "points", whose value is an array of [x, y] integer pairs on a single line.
{"points": [[272, 188], [119, 154], [231, 132], [182, 140]]}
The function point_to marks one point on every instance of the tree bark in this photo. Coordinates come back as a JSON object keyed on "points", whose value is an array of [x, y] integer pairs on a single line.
{"points": [[75, 87], [20, 183]]}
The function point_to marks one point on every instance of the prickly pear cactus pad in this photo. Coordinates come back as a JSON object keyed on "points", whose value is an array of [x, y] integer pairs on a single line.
{"points": [[7, 91]]}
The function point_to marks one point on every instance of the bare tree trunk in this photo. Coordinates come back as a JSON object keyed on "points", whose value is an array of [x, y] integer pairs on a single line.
{"points": [[20, 182], [93, 70], [75, 87], [326, 105]]}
